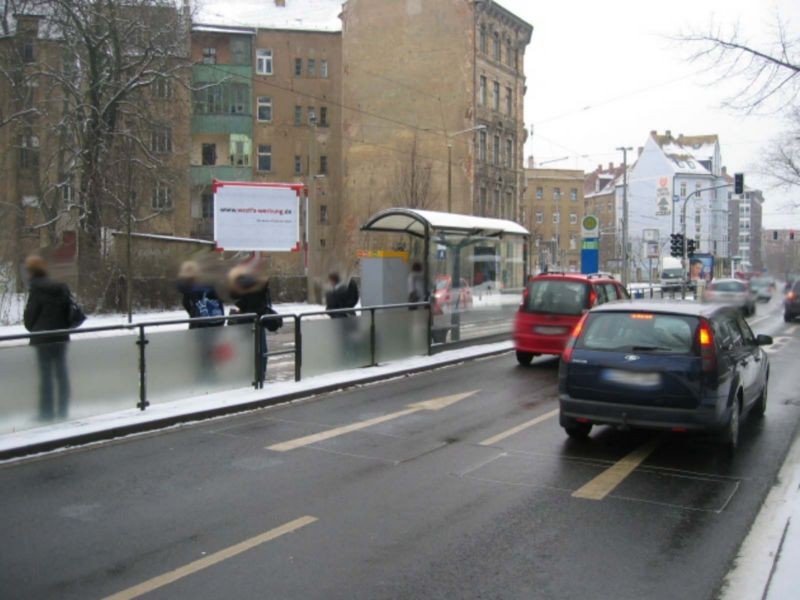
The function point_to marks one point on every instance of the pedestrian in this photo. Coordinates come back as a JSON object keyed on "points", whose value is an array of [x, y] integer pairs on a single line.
{"points": [[416, 284], [48, 309], [251, 295], [201, 300], [336, 296]]}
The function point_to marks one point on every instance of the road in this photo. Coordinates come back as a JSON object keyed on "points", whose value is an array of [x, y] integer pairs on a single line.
{"points": [[457, 483]]}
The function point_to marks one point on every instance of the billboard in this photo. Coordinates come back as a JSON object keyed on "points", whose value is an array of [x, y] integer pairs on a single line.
{"points": [[663, 197], [257, 216], [701, 267]]}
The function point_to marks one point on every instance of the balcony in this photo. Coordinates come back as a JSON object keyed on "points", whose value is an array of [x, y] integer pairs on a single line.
{"points": [[223, 123], [205, 175]]}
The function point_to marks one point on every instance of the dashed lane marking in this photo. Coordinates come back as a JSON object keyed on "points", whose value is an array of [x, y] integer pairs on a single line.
{"points": [[211, 560], [605, 483], [435, 404], [521, 427]]}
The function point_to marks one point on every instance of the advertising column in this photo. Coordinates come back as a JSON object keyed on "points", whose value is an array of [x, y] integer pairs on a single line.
{"points": [[590, 245]]}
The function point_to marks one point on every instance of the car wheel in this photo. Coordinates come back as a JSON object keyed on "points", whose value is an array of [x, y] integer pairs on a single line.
{"points": [[731, 438], [524, 358], [761, 405], [578, 431]]}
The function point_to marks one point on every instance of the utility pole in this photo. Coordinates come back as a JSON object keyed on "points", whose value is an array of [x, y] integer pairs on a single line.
{"points": [[624, 151]]}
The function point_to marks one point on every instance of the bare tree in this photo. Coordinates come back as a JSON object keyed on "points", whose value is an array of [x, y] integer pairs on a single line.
{"points": [[412, 185], [782, 162]]}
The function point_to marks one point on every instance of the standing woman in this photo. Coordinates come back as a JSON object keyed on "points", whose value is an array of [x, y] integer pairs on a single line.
{"points": [[250, 295]]}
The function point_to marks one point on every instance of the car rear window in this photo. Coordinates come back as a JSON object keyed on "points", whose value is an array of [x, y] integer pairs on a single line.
{"points": [[558, 296], [638, 332], [727, 286]]}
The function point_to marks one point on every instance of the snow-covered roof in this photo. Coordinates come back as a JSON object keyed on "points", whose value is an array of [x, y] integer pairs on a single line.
{"points": [[308, 15], [219, 29], [415, 222]]}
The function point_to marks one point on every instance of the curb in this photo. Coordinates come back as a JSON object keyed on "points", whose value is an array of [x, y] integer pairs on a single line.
{"points": [[72, 441]]}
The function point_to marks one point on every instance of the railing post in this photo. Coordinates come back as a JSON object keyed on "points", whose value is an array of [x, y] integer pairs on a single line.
{"points": [[258, 380], [142, 342], [430, 329], [298, 347], [372, 352]]}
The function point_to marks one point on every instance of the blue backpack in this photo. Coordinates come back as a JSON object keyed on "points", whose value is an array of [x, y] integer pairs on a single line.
{"points": [[209, 307]]}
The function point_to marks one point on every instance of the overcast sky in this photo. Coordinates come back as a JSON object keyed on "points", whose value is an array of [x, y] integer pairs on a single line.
{"points": [[616, 57]]}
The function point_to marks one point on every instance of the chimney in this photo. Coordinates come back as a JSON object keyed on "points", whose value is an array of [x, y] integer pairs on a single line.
{"points": [[639, 150], [668, 133], [611, 166], [28, 24], [724, 171], [280, 3], [653, 133], [680, 136], [599, 168]]}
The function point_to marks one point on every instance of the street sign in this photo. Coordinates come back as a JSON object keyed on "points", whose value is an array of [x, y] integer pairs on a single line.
{"points": [[650, 235], [652, 250], [589, 226]]}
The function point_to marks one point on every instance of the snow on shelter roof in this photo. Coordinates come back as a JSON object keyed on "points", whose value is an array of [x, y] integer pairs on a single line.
{"points": [[302, 15], [415, 222]]}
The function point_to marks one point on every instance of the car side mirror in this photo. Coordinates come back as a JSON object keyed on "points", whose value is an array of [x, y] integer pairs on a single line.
{"points": [[763, 340]]}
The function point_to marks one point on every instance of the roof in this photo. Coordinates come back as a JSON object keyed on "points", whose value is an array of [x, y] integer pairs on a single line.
{"points": [[299, 15], [417, 222], [676, 307]]}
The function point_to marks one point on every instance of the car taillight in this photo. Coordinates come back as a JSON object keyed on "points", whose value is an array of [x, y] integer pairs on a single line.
{"points": [[705, 340], [566, 356], [592, 297]]}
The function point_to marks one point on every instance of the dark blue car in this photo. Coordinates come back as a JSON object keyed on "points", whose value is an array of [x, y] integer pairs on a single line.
{"points": [[663, 365]]}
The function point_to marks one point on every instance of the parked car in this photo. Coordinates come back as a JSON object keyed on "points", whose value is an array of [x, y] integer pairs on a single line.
{"points": [[732, 292], [552, 304], [762, 287], [663, 365], [445, 298], [791, 303]]}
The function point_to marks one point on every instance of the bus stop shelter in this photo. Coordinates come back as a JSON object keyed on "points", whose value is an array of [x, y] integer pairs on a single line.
{"points": [[490, 256]]}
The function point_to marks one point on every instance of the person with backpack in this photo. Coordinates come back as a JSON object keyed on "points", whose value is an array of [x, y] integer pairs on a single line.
{"points": [[49, 308], [201, 300], [341, 295], [251, 295]]}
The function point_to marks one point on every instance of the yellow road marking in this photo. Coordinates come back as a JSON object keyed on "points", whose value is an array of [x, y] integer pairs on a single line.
{"points": [[435, 404], [605, 483], [521, 427], [210, 560]]}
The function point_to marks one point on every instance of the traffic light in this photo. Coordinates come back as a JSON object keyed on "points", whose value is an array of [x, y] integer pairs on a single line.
{"points": [[738, 183], [690, 247], [676, 245]]}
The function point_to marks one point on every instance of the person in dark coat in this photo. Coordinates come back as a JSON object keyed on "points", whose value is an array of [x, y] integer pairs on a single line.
{"points": [[47, 309], [201, 300], [251, 295], [341, 296]]}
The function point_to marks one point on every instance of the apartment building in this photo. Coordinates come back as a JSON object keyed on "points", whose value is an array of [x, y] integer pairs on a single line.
{"points": [[781, 251], [744, 226], [554, 206]]}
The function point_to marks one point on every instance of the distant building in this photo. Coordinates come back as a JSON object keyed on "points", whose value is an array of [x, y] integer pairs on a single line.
{"points": [[553, 209], [744, 227], [781, 251], [601, 199]]}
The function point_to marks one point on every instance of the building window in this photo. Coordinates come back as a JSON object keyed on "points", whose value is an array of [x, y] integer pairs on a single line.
{"points": [[298, 165], [539, 193], [482, 146], [556, 217], [496, 96], [509, 207], [484, 40], [240, 98], [322, 242], [298, 115], [509, 54], [573, 194], [312, 115], [556, 193], [323, 116], [162, 197], [323, 165], [683, 189], [67, 192], [509, 153], [209, 154], [29, 152], [311, 67], [28, 54], [496, 203], [539, 216], [161, 141], [163, 88], [482, 203], [496, 150], [496, 46], [207, 206], [265, 109], [209, 56], [323, 214], [516, 60], [298, 67], [264, 61], [264, 157], [573, 219], [240, 51], [240, 150], [573, 241], [482, 90], [509, 101], [323, 68]]}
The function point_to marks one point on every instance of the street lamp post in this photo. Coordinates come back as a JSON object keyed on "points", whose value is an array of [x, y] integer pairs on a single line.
{"points": [[450, 163], [624, 151]]}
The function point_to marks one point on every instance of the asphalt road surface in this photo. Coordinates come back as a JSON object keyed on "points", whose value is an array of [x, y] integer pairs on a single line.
{"points": [[457, 483]]}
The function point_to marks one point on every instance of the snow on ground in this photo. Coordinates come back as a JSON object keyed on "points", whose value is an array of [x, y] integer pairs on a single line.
{"points": [[232, 398]]}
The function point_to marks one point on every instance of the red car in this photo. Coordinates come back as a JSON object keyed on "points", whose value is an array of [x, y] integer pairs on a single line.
{"points": [[552, 304], [446, 298]]}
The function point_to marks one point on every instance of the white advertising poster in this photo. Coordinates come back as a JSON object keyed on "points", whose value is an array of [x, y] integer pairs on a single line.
{"points": [[663, 197], [256, 218]]}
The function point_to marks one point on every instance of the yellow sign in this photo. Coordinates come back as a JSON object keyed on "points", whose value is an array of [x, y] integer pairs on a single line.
{"points": [[401, 254]]}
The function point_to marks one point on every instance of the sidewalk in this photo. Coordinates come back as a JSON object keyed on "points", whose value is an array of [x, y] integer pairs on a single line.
{"points": [[768, 560], [158, 416]]}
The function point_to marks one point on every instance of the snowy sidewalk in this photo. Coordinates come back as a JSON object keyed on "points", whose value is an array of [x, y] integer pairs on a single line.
{"points": [[131, 421], [768, 560]]}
